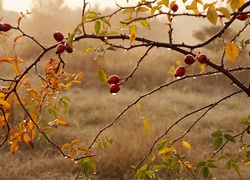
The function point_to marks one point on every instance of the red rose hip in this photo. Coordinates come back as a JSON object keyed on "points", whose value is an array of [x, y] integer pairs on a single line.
{"points": [[174, 7], [114, 79], [189, 59], [58, 36], [60, 48], [180, 71], [242, 17], [202, 58], [68, 48], [114, 88]]}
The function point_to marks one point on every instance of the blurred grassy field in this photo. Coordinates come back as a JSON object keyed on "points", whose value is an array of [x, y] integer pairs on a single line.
{"points": [[93, 107]]}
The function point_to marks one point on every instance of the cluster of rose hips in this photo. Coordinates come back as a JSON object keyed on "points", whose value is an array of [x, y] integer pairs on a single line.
{"points": [[114, 87], [190, 59], [5, 27], [60, 48]]}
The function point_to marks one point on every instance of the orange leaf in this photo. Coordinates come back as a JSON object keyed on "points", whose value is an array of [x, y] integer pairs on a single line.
{"points": [[62, 122], [14, 148], [26, 138], [17, 37]]}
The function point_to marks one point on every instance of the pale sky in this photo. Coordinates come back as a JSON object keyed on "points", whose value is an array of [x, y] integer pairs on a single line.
{"points": [[23, 5]]}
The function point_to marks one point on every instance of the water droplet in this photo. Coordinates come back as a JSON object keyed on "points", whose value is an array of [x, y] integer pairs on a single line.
{"points": [[121, 29], [178, 77], [24, 120], [169, 49], [65, 157], [113, 94], [75, 162], [94, 172], [194, 77], [105, 38], [214, 178], [10, 142]]}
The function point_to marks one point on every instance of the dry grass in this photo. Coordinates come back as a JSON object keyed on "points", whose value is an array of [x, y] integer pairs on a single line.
{"points": [[92, 109]]}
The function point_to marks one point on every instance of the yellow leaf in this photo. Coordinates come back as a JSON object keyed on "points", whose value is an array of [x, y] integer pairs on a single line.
{"points": [[193, 7], [145, 24], [66, 145], [224, 11], [83, 149], [138, 106], [232, 51], [16, 68], [76, 141], [247, 163], [178, 63], [186, 144], [212, 15], [79, 76], [2, 95], [202, 66], [146, 123], [167, 151], [68, 85], [241, 2], [4, 104], [234, 4], [132, 33], [72, 152], [171, 70], [87, 50]]}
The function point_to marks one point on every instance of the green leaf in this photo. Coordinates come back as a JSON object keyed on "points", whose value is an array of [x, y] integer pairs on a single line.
{"points": [[200, 164], [106, 21], [212, 165], [217, 143], [205, 172], [110, 48], [158, 167], [145, 24], [100, 49], [142, 9], [236, 168], [102, 74], [217, 133], [97, 27], [229, 137], [143, 168], [98, 57]]}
